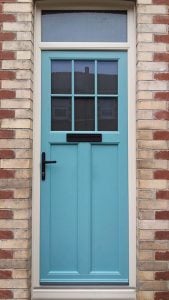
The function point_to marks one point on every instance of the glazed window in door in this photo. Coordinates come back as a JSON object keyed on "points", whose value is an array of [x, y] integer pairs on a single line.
{"points": [[84, 197], [84, 95]]}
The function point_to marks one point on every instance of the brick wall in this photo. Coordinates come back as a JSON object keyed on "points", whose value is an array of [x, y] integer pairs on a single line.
{"points": [[16, 51], [152, 149]]}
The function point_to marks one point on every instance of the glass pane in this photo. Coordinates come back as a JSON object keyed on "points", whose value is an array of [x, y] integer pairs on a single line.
{"points": [[61, 114], [93, 26], [61, 77], [84, 77], [84, 114], [107, 114], [107, 79]]}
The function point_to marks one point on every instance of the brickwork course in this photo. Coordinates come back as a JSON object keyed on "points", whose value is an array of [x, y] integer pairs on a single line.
{"points": [[16, 78], [16, 98], [152, 149]]}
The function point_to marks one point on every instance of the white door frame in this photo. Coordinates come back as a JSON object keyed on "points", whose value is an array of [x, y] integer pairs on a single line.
{"points": [[101, 292]]}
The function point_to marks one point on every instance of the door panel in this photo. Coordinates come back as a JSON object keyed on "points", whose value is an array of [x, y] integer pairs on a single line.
{"points": [[105, 230], [63, 209], [84, 197]]}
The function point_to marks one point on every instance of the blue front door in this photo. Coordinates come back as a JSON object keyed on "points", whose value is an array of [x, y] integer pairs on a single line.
{"points": [[84, 190]]}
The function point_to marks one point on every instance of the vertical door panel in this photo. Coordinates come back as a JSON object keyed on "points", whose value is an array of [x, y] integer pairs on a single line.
{"points": [[63, 209], [105, 209]]}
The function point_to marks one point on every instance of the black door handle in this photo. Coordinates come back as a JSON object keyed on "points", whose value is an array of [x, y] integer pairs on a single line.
{"points": [[44, 163]]}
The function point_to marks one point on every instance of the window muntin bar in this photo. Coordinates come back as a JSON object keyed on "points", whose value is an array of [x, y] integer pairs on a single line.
{"points": [[93, 103]]}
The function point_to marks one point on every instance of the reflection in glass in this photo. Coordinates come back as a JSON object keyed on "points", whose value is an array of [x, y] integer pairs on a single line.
{"points": [[84, 77], [107, 77], [61, 77], [80, 26], [84, 114], [107, 114], [61, 114]]}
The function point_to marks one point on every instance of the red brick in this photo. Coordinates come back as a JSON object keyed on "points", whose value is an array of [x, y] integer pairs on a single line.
{"points": [[7, 55], [6, 194], [162, 235], [161, 19], [6, 294], [162, 195], [7, 174], [162, 275], [165, 2], [161, 135], [162, 255], [7, 18], [5, 94], [162, 215], [7, 36], [6, 234], [6, 254], [164, 38], [161, 57], [162, 96], [7, 113], [161, 296], [7, 75], [161, 76], [5, 274], [6, 214], [161, 174], [161, 155], [162, 115], [7, 134], [8, 0], [7, 154]]}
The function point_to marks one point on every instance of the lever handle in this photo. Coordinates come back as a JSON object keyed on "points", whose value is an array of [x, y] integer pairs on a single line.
{"points": [[44, 163]]}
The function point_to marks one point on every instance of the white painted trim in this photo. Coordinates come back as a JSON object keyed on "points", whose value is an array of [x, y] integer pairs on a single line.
{"points": [[39, 292], [132, 143], [84, 294], [36, 153], [85, 46]]}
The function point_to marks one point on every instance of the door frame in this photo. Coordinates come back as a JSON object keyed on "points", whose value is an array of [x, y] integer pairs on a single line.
{"points": [[111, 292]]}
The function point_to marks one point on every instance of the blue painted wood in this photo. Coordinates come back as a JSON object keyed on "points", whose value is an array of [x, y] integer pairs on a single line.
{"points": [[63, 208], [84, 199], [105, 209]]}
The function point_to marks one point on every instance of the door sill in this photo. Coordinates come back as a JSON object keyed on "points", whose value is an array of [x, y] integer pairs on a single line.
{"points": [[83, 294]]}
